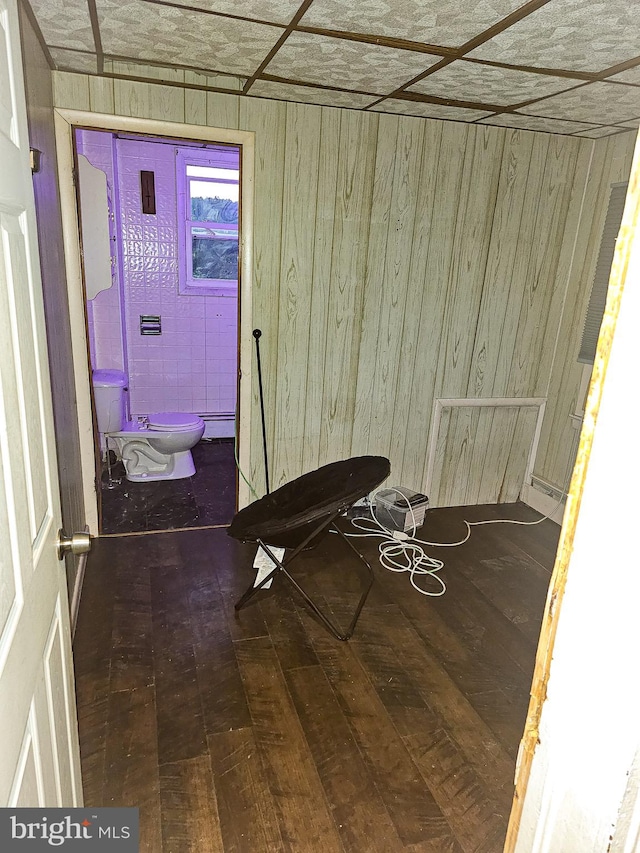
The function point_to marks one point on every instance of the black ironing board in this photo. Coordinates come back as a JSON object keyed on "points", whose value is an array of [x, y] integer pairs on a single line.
{"points": [[298, 514]]}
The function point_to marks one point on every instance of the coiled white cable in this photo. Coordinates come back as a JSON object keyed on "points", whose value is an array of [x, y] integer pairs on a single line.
{"points": [[403, 552]]}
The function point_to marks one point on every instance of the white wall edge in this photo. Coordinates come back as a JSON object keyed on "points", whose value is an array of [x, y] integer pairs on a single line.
{"points": [[65, 121]]}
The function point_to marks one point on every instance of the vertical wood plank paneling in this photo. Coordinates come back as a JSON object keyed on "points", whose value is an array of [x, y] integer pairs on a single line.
{"points": [[567, 159], [101, 96], [418, 259], [417, 287], [435, 249], [525, 242], [166, 103], [498, 426], [458, 456], [131, 98], [267, 119], [503, 248], [195, 106], [517, 461], [559, 166], [223, 110], [472, 236], [374, 280], [349, 252], [389, 355], [70, 91], [319, 337], [296, 264]]}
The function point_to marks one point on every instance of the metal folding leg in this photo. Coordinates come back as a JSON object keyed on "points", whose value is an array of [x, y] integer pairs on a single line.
{"points": [[282, 566]]}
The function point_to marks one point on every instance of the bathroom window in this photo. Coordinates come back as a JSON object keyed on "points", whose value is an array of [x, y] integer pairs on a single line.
{"points": [[208, 198]]}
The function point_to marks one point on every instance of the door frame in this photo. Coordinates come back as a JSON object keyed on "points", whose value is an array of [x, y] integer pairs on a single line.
{"points": [[66, 121]]}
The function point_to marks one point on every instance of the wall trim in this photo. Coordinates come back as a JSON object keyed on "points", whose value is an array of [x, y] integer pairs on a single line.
{"points": [[66, 121], [441, 403]]}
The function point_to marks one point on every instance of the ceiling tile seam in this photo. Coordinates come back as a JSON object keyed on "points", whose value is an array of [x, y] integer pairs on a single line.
{"points": [[221, 90], [485, 35], [274, 50], [39, 35], [410, 97], [119, 57], [215, 14], [380, 40], [97, 38]]}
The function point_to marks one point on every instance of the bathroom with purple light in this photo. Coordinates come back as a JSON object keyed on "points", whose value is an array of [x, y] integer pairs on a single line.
{"points": [[159, 231]]}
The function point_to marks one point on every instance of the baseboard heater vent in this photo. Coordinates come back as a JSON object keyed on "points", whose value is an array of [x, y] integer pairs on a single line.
{"points": [[219, 424], [547, 488]]}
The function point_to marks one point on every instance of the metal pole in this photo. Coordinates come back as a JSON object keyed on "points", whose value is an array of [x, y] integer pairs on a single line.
{"points": [[257, 333]]}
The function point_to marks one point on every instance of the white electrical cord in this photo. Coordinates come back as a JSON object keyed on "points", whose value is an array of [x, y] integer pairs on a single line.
{"points": [[402, 552]]}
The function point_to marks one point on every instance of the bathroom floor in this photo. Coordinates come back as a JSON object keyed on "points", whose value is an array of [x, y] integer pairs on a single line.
{"points": [[207, 498]]}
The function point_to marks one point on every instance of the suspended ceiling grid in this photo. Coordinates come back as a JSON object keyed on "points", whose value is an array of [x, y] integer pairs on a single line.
{"points": [[560, 66]]}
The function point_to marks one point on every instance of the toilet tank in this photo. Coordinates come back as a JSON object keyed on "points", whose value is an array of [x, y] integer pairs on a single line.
{"points": [[108, 391]]}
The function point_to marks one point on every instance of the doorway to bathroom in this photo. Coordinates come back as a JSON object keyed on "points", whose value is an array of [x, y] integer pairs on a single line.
{"points": [[160, 234]]}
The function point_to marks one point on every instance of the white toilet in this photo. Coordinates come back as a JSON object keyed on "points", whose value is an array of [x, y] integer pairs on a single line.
{"points": [[156, 448]]}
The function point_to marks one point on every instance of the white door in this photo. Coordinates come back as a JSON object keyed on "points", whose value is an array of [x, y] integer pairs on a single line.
{"points": [[39, 755]]}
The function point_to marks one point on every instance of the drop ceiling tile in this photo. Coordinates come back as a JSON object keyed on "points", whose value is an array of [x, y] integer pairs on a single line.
{"points": [[544, 125], [601, 103], [309, 95], [65, 23], [74, 60], [570, 34], [184, 37], [470, 81], [278, 11], [634, 122], [599, 132], [428, 21], [347, 64], [419, 108], [631, 75]]}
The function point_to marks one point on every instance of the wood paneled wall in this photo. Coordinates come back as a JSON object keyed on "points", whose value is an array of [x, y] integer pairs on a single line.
{"points": [[400, 260]]}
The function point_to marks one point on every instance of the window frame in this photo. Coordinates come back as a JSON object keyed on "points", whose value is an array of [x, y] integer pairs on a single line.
{"points": [[187, 284]]}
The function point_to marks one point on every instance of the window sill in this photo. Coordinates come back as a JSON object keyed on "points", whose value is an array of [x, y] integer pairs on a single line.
{"points": [[221, 289]]}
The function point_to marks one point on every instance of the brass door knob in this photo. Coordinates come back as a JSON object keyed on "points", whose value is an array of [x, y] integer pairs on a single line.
{"points": [[78, 543]]}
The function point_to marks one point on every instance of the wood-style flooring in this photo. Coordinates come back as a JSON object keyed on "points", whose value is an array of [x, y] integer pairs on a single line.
{"points": [[258, 732]]}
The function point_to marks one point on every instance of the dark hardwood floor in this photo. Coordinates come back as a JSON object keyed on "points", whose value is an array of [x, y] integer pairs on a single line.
{"points": [[258, 732]]}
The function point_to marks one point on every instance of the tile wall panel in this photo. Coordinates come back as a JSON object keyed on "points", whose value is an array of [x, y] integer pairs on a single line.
{"points": [[191, 366]]}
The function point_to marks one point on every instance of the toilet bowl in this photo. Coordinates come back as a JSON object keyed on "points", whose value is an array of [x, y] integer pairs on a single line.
{"points": [[155, 447]]}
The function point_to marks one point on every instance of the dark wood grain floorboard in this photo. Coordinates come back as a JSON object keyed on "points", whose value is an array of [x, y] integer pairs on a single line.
{"points": [[190, 822], [248, 816], [306, 823], [356, 805], [257, 731], [131, 766], [180, 714]]}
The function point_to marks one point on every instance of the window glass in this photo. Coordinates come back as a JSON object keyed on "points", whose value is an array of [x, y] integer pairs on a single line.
{"points": [[209, 225]]}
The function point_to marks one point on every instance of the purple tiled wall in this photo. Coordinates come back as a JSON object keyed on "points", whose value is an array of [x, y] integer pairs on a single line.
{"points": [[192, 365]]}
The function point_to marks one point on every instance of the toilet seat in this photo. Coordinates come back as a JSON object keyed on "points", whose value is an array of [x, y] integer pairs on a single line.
{"points": [[173, 421]]}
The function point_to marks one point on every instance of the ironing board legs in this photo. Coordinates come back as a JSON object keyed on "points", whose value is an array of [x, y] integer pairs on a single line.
{"points": [[282, 567]]}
